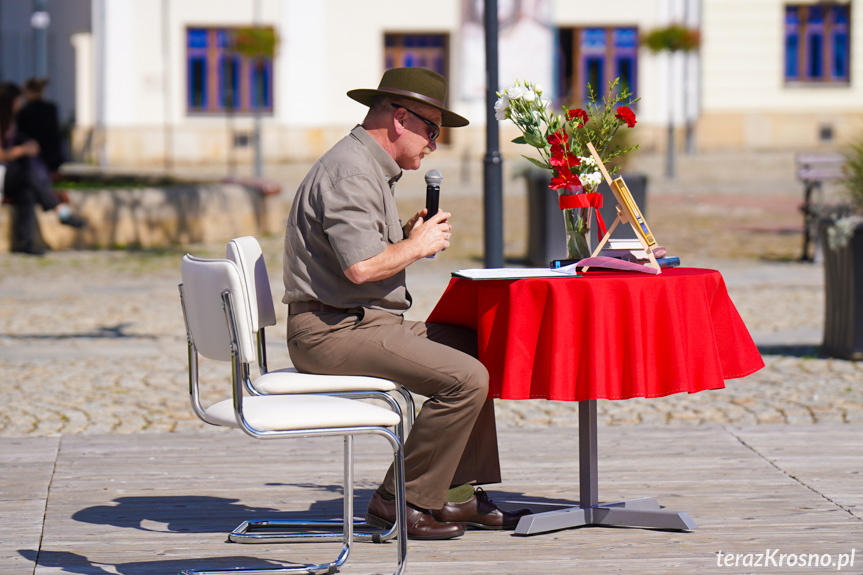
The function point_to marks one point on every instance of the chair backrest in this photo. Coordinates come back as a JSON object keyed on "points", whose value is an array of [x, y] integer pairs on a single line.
{"points": [[204, 282], [247, 254]]}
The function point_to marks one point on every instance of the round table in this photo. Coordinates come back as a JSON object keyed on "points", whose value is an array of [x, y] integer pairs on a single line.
{"points": [[603, 335]]}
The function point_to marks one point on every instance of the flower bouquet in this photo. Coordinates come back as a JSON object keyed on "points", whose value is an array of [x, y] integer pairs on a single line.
{"points": [[561, 141]]}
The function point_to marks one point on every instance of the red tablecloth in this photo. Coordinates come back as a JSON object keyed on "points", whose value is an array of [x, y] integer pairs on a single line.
{"points": [[606, 335]]}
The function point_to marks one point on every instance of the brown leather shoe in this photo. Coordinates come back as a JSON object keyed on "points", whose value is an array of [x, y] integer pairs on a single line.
{"points": [[480, 512], [420, 525]]}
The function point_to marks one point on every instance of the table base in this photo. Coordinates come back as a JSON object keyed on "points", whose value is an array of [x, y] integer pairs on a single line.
{"points": [[643, 512]]}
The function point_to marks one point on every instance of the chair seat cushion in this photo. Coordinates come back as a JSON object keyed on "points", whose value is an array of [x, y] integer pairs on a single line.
{"points": [[289, 380], [295, 412]]}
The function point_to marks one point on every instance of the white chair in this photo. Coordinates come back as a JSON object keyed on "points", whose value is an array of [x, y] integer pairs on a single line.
{"points": [[218, 327], [247, 254], [257, 301]]}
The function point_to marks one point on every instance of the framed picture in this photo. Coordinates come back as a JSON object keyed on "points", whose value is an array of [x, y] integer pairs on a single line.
{"points": [[636, 218], [628, 213]]}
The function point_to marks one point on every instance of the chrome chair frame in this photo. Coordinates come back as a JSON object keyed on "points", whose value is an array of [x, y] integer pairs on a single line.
{"points": [[347, 533]]}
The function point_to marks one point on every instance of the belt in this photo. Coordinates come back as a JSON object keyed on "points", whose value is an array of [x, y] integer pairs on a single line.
{"points": [[304, 306]]}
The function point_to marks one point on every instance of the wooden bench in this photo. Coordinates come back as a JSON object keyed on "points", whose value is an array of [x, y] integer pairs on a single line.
{"points": [[813, 169]]}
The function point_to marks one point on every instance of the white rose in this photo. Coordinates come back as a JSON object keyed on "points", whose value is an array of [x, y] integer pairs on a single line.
{"points": [[515, 93], [529, 96], [537, 88], [591, 180], [501, 107]]}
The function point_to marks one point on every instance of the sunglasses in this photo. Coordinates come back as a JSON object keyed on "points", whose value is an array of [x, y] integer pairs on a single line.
{"points": [[434, 129]]}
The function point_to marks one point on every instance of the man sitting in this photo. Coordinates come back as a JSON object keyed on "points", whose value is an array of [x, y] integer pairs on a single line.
{"points": [[344, 271]]}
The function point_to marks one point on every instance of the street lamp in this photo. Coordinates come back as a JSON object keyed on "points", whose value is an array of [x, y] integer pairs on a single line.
{"points": [[492, 162], [39, 21]]}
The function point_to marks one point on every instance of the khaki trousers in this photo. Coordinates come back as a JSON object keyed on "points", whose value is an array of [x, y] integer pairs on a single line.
{"points": [[454, 439]]}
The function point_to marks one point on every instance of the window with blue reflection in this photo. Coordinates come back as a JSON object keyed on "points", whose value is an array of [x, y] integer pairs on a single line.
{"points": [[625, 71], [416, 50], [839, 32], [792, 43], [594, 76], [815, 55], [817, 45], [593, 39], [197, 84], [840, 56], [219, 80], [599, 56], [229, 89], [626, 38], [197, 38], [626, 57], [261, 88]]}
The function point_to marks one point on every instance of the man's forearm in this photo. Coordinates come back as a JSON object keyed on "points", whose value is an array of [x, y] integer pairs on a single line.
{"points": [[389, 262]]}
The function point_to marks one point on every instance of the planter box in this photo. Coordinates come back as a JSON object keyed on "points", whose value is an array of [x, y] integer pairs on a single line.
{"points": [[843, 302]]}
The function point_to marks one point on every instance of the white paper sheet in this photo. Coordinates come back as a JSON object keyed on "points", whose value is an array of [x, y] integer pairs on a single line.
{"points": [[515, 273]]}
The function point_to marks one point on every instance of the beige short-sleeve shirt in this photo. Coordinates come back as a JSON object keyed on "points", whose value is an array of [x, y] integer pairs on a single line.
{"points": [[344, 212]]}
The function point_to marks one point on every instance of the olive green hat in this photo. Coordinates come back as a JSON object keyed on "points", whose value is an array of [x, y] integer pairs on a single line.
{"points": [[418, 84]]}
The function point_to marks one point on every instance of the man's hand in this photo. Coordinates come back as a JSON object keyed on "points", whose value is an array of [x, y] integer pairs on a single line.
{"points": [[423, 239], [412, 222], [433, 235], [28, 148]]}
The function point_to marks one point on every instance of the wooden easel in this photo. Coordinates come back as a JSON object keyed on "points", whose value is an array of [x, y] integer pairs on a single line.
{"points": [[627, 212]]}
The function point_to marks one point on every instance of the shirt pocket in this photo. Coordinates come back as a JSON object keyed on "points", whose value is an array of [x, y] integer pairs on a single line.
{"points": [[395, 233]]}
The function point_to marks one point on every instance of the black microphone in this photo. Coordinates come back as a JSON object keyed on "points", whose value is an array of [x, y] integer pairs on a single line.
{"points": [[433, 180]]}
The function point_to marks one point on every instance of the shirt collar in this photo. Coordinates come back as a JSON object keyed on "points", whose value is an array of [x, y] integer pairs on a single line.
{"points": [[392, 171]]}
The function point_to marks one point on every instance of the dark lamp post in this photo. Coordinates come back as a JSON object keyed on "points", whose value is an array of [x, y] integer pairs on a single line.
{"points": [[492, 163], [39, 21]]}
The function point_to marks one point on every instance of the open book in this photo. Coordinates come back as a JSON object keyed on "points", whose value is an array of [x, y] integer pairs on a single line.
{"points": [[615, 264]]}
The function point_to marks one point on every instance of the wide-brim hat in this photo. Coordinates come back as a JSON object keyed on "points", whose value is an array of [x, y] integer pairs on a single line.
{"points": [[418, 84]]}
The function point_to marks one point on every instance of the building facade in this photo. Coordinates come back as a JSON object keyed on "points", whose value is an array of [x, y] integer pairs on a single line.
{"points": [[159, 82]]}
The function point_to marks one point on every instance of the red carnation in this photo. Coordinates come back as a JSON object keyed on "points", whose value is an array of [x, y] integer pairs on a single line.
{"points": [[627, 115], [564, 179], [558, 138], [558, 151], [579, 114], [560, 159]]}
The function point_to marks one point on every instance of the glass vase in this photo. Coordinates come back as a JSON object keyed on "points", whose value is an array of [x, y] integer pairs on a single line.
{"points": [[577, 224]]}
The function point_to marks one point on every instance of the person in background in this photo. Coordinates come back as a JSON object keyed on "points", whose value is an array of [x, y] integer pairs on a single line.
{"points": [[38, 119], [26, 181], [344, 271]]}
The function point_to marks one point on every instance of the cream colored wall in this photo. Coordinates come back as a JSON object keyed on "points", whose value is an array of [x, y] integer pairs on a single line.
{"points": [[353, 53]]}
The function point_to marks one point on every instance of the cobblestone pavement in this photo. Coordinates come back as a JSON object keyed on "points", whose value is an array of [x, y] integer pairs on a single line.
{"points": [[93, 342]]}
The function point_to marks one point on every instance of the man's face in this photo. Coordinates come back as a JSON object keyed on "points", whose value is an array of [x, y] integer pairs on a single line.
{"points": [[415, 141]]}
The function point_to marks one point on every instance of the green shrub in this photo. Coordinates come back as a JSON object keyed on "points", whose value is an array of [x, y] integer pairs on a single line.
{"points": [[854, 170]]}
